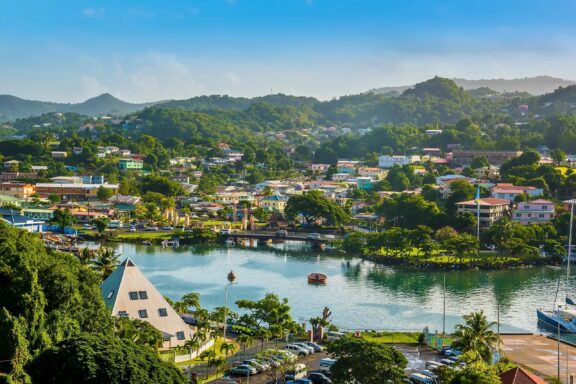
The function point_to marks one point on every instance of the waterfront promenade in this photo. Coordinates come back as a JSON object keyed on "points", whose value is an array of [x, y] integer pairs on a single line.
{"points": [[540, 355]]}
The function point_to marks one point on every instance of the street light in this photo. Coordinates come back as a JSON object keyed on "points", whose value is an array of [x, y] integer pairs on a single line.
{"points": [[231, 277]]}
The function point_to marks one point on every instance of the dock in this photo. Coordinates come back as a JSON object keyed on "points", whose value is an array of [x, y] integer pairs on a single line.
{"points": [[539, 354]]}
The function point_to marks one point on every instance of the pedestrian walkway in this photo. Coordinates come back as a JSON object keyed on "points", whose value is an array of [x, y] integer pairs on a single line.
{"points": [[540, 355]]}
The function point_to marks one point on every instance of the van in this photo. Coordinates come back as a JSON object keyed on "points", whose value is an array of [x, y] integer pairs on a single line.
{"points": [[419, 378], [331, 335], [432, 365], [298, 372], [327, 363], [296, 350]]}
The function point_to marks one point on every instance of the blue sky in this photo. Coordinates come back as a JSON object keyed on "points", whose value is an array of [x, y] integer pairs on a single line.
{"points": [[70, 50]]}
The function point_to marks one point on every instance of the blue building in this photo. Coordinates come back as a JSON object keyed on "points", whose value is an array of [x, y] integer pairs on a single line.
{"points": [[14, 218]]}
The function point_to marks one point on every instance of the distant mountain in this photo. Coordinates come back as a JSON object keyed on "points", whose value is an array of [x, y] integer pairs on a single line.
{"points": [[225, 102], [12, 108], [533, 85]]}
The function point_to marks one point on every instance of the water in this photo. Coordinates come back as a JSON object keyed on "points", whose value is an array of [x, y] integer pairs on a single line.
{"points": [[360, 294]]}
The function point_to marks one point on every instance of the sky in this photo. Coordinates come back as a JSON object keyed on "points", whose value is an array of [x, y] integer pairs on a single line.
{"points": [[148, 50]]}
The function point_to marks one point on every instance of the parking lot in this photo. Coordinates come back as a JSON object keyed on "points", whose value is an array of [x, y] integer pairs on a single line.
{"points": [[416, 356]]}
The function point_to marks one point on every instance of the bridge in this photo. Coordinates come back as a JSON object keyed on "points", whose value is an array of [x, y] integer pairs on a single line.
{"points": [[273, 235]]}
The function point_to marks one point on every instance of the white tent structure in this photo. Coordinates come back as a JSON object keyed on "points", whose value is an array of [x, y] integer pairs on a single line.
{"points": [[128, 293]]}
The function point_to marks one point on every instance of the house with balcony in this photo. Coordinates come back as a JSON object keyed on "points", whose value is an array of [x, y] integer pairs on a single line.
{"points": [[491, 209], [374, 172], [386, 161], [130, 164], [274, 203], [19, 190], [538, 211], [14, 218]]}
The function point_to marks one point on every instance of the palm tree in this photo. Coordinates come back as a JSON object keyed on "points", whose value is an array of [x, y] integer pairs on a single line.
{"points": [[192, 299], [85, 256], [227, 348], [264, 335], [476, 335], [62, 218], [106, 261], [193, 344], [218, 362], [245, 341]]}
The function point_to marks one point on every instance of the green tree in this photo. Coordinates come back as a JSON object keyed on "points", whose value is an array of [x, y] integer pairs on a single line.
{"points": [[54, 198], [62, 218], [558, 155], [479, 162], [245, 341], [314, 206], [410, 210], [270, 312], [366, 362], [104, 194], [106, 261], [161, 184], [101, 224], [462, 245], [102, 359], [476, 335]]}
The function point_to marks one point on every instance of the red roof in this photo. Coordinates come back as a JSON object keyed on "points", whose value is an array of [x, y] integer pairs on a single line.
{"points": [[520, 376]]}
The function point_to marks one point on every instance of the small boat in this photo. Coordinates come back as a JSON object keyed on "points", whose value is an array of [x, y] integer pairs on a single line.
{"points": [[146, 242], [317, 278], [229, 242]]}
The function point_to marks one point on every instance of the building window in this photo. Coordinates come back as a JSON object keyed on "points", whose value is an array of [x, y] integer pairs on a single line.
{"points": [[162, 312], [541, 215], [518, 215], [143, 314], [122, 314], [180, 335], [529, 215], [544, 207], [133, 295], [526, 207], [143, 295], [110, 294]]}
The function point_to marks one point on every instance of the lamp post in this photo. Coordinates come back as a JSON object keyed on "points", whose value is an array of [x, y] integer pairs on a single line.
{"points": [[231, 277]]}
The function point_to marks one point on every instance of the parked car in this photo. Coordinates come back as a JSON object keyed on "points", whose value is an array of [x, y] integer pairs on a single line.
{"points": [[167, 228], [151, 228], [296, 350], [132, 229], [319, 378], [305, 346], [281, 233], [314, 236], [299, 371], [419, 378], [299, 381], [243, 370], [255, 364], [88, 226], [317, 347], [452, 352], [225, 232], [332, 335]]}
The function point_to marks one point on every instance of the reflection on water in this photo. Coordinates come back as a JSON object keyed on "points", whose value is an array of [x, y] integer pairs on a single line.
{"points": [[360, 294]]}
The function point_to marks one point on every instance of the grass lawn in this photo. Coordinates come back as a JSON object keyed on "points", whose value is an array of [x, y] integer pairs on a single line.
{"points": [[391, 337], [216, 348], [143, 236]]}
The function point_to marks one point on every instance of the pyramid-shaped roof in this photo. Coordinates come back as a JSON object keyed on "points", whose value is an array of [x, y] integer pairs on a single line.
{"points": [[520, 376], [128, 293]]}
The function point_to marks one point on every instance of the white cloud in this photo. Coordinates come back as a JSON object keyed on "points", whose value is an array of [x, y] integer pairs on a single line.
{"points": [[93, 12]]}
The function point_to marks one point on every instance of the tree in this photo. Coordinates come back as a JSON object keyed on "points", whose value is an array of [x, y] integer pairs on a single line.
{"points": [[54, 198], [245, 341], [270, 312], [139, 332], [62, 218], [277, 372], [103, 359], [476, 335], [365, 362], [411, 210], [462, 245], [44, 298], [313, 206], [462, 190], [106, 261], [161, 184], [558, 155], [479, 162], [104, 194], [101, 224]]}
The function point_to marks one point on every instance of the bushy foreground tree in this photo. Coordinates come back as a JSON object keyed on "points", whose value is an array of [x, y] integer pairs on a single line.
{"points": [[97, 358]]}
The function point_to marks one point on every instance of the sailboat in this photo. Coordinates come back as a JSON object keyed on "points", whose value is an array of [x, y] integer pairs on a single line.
{"points": [[562, 317]]}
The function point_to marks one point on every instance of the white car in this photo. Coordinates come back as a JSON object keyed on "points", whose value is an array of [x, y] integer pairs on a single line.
{"points": [[306, 346], [297, 350]]}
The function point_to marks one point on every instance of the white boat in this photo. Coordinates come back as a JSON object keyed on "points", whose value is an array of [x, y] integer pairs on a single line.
{"points": [[562, 318], [229, 242]]}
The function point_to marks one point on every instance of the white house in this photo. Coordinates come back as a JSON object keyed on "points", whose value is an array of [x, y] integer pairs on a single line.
{"points": [[386, 161]]}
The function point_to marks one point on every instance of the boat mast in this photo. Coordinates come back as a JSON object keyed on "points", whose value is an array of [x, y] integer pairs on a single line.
{"points": [[569, 244]]}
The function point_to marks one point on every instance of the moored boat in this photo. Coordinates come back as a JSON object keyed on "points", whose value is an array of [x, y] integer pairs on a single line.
{"points": [[317, 278]]}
